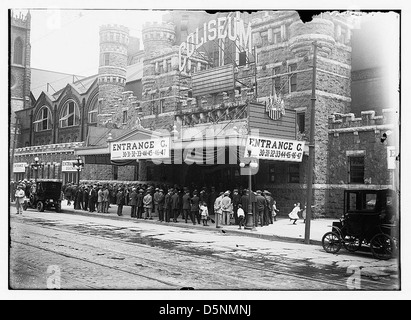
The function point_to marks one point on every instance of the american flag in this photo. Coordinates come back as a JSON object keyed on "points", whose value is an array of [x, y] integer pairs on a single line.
{"points": [[275, 107]]}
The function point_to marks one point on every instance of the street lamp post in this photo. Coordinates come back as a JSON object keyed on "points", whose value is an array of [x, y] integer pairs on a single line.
{"points": [[35, 166], [78, 165], [250, 216]]}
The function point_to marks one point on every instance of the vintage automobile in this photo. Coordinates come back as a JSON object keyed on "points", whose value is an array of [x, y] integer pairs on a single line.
{"points": [[369, 218], [44, 194]]}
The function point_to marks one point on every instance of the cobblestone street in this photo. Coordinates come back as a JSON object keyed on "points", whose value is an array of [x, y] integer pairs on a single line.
{"points": [[50, 250]]}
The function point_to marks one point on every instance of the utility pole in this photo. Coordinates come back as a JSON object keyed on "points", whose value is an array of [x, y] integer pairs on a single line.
{"points": [[14, 144], [311, 149]]}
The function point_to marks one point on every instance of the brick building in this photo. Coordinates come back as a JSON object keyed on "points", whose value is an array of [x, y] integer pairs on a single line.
{"points": [[140, 94]]}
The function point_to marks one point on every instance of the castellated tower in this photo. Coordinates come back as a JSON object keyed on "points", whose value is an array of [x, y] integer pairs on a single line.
{"points": [[158, 39], [157, 36], [114, 40], [333, 83]]}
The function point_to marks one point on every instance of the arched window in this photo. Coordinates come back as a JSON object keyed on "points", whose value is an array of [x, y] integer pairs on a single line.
{"points": [[18, 51], [70, 115], [93, 111], [43, 119]]}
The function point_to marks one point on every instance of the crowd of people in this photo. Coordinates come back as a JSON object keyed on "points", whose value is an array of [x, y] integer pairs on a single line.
{"points": [[169, 203]]}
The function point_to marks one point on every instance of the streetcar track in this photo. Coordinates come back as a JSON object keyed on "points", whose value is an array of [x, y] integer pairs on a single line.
{"points": [[208, 259], [371, 282], [93, 262]]}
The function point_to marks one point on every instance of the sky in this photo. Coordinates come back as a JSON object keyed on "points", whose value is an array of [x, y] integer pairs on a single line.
{"points": [[67, 40]]}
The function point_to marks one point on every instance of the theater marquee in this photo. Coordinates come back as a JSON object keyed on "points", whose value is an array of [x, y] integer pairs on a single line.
{"points": [[274, 149], [140, 149]]}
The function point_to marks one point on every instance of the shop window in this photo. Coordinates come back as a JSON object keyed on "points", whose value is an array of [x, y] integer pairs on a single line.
{"points": [[18, 51], [301, 122], [292, 77], [294, 173], [356, 169]]}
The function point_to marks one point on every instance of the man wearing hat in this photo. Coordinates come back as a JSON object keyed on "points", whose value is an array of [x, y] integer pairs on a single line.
{"points": [[148, 205], [167, 204], [218, 209], [236, 201], [155, 201], [139, 204], [260, 206], [226, 207], [160, 201], [19, 197], [133, 202], [268, 217], [175, 205]]}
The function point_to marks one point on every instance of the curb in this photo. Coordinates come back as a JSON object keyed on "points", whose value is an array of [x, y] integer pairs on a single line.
{"points": [[253, 234]]}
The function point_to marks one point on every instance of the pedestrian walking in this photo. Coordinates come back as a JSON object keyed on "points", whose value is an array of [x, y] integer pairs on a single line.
{"points": [[204, 213], [294, 213], [241, 216], [19, 198], [148, 205]]}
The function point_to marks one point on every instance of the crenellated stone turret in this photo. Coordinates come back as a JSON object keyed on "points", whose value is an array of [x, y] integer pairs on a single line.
{"points": [[114, 41], [158, 36], [302, 35]]}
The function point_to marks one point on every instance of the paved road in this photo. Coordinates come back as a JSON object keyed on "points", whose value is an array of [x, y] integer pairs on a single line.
{"points": [[86, 252]]}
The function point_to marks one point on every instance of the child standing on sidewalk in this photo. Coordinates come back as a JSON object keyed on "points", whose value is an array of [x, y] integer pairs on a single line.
{"points": [[240, 215], [204, 213]]}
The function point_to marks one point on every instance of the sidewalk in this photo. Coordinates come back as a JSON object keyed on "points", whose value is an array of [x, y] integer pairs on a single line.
{"points": [[281, 230]]}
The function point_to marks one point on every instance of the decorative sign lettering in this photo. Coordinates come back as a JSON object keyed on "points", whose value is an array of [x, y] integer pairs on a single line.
{"points": [[391, 157], [67, 166], [220, 28], [274, 149], [156, 148], [19, 167]]}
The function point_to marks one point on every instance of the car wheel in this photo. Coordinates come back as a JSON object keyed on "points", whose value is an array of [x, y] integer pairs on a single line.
{"points": [[40, 206]]}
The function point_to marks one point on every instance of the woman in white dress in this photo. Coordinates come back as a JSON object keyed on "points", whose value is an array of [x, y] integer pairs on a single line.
{"points": [[294, 213]]}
